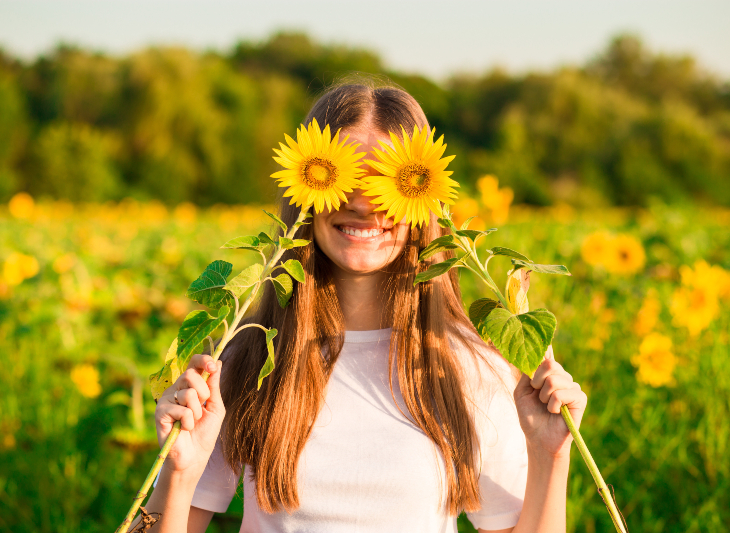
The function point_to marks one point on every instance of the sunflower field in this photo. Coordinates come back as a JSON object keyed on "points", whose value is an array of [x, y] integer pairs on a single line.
{"points": [[92, 294]]}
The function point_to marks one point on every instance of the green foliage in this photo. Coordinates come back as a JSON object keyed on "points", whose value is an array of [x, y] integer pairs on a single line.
{"points": [[196, 327], [248, 277], [284, 288], [440, 244], [521, 339], [542, 269], [478, 312], [176, 125], [436, 270], [295, 270], [210, 287], [499, 250], [268, 366]]}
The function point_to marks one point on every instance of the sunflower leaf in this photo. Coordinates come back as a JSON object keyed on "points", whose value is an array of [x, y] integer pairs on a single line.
{"points": [[446, 223], [208, 288], [440, 244], [277, 220], [247, 278], [167, 375], [268, 366], [284, 288], [478, 312], [265, 239], [498, 250], [195, 328], [543, 269], [436, 270], [300, 242], [521, 339], [286, 243], [465, 225], [249, 242], [295, 270]]}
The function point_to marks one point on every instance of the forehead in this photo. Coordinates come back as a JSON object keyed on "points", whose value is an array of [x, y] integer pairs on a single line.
{"points": [[367, 138]]}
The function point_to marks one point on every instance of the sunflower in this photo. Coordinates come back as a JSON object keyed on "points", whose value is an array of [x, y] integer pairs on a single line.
{"points": [[320, 168], [413, 177], [655, 360]]}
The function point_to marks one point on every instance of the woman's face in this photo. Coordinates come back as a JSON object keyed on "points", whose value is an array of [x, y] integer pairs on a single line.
{"points": [[355, 238]]}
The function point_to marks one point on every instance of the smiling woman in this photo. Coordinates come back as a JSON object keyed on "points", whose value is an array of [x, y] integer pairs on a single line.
{"points": [[385, 410]]}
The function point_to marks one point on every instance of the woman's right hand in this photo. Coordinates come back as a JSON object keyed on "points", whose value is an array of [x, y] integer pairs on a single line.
{"points": [[200, 423]]}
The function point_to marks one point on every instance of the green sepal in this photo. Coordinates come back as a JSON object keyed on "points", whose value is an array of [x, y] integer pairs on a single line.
{"points": [[295, 270], [436, 270], [248, 242], [268, 366], [440, 244], [284, 288], [277, 220], [208, 288], [521, 339], [195, 328], [498, 250], [543, 269], [247, 278]]}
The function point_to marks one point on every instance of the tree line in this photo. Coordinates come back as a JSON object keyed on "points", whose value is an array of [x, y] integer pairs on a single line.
{"points": [[181, 125]]}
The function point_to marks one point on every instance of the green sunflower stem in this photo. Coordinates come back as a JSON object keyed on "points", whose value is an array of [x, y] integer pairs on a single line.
{"points": [[603, 489], [176, 428]]}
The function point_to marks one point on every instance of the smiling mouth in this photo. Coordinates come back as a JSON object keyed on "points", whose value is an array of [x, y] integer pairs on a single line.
{"points": [[364, 233]]}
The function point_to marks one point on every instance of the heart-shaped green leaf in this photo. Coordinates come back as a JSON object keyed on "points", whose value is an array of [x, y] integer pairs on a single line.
{"points": [[268, 366], [208, 288], [295, 270], [195, 328], [247, 278], [277, 220], [478, 312], [498, 250], [248, 242], [543, 269], [436, 270], [521, 339], [284, 288]]}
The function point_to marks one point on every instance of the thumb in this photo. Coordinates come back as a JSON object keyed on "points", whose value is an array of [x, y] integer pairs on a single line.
{"points": [[524, 387], [215, 402]]}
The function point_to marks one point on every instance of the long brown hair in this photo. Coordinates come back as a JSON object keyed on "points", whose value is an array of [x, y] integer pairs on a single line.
{"points": [[268, 429]]}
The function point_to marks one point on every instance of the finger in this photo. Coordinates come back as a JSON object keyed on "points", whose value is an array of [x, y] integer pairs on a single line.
{"points": [[215, 402], [574, 399], [201, 362], [553, 383], [192, 380], [546, 368], [189, 398], [523, 387], [169, 414]]}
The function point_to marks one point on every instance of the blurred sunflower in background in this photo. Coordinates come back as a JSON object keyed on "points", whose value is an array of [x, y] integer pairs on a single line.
{"points": [[655, 360], [413, 178], [319, 168]]}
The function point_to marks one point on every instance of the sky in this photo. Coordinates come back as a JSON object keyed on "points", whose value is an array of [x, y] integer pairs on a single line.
{"points": [[427, 37]]}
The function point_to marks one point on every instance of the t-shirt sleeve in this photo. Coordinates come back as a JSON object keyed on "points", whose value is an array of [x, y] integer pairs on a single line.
{"points": [[217, 485], [502, 446]]}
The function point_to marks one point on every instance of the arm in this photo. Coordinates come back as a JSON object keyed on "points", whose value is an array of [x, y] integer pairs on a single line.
{"points": [[200, 409], [548, 445]]}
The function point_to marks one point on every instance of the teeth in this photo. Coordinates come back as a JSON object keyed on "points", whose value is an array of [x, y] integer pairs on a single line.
{"points": [[361, 233]]}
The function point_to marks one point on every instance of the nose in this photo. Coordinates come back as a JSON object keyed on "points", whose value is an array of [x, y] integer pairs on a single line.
{"points": [[360, 204]]}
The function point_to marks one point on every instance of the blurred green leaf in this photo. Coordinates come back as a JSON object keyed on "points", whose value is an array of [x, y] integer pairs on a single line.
{"points": [[543, 269]]}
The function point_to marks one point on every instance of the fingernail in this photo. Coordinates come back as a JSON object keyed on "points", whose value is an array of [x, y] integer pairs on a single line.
{"points": [[211, 367]]}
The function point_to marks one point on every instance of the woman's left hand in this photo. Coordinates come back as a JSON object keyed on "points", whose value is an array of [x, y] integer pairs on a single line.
{"points": [[538, 403]]}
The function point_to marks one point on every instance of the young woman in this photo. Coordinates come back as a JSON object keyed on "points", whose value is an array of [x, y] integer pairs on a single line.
{"points": [[386, 411]]}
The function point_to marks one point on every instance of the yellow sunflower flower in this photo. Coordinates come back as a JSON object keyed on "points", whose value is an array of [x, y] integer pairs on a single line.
{"points": [[86, 379], [694, 307], [413, 178], [595, 248], [627, 255], [655, 360], [320, 168]]}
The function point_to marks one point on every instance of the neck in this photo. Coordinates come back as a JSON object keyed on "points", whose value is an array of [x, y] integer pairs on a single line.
{"points": [[360, 300]]}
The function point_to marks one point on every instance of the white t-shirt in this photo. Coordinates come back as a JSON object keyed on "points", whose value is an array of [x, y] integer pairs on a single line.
{"points": [[367, 468]]}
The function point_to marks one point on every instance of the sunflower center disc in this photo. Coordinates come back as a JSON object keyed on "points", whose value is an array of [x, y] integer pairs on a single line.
{"points": [[413, 180], [319, 173]]}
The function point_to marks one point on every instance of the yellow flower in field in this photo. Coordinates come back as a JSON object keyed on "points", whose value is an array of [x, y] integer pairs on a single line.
{"points": [[86, 379], [655, 360], [596, 247], [694, 308], [465, 208], [19, 267], [320, 168], [648, 315], [64, 263], [21, 205], [185, 213], [497, 200], [413, 179], [626, 255], [715, 278]]}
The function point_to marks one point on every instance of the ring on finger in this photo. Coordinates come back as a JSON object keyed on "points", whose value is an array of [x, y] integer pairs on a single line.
{"points": [[175, 397]]}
